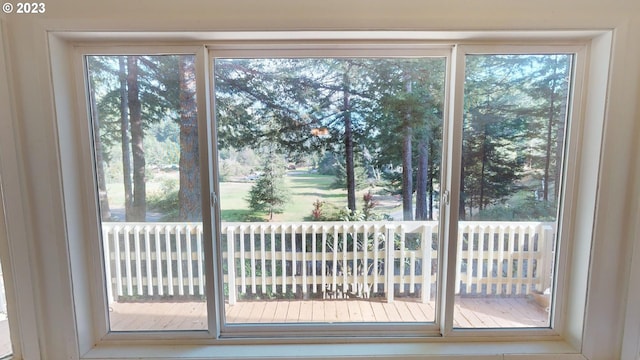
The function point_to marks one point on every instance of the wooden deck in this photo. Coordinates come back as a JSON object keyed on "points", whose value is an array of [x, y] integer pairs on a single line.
{"points": [[468, 313]]}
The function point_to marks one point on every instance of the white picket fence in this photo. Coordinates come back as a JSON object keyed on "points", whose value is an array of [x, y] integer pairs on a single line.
{"points": [[327, 259]]}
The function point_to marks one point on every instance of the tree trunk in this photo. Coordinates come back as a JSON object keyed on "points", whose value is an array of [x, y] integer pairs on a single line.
{"points": [[348, 142], [407, 166], [463, 197], [407, 175], [139, 206], [546, 179], [482, 171], [560, 143], [189, 195], [105, 212], [126, 141], [422, 181], [430, 197]]}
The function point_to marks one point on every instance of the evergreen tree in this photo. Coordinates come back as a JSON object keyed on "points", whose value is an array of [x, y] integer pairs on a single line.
{"points": [[497, 114], [269, 193], [409, 111]]}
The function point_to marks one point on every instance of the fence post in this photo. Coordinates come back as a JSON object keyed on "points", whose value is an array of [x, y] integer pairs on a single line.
{"points": [[546, 269], [231, 265], [108, 278], [425, 248], [389, 269]]}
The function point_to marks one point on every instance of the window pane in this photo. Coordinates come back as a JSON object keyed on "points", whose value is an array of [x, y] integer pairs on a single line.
{"points": [[329, 175], [515, 111], [147, 169], [5, 335]]}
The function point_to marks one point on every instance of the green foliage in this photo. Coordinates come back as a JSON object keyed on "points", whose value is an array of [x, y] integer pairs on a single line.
{"points": [[269, 193], [317, 213], [525, 209], [327, 165], [360, 174], [165, 201]]}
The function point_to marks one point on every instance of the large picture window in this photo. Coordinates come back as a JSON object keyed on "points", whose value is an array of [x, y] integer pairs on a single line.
{"points": [[329, 183]]}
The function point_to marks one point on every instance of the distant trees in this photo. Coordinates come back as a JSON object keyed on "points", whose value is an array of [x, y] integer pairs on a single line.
{"points": [[131, 93], [409, 127], [513, 130], [371, 115]]}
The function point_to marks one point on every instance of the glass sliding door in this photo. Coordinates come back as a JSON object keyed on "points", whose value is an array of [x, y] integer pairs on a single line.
{"points": [[329, 176], [147, 169], [513, 146]]}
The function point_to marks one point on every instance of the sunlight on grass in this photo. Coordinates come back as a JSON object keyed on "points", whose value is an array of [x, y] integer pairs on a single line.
{"points": [[305, 188]]}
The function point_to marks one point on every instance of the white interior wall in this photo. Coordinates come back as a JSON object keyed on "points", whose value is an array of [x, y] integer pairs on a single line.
{"points": [[35, 205]]}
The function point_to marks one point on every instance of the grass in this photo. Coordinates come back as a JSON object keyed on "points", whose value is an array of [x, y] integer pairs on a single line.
{"points": [[305, 189]]}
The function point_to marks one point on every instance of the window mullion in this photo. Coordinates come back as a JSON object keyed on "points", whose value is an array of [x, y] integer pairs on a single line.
{"points": [[207, 151], [452, 150]]}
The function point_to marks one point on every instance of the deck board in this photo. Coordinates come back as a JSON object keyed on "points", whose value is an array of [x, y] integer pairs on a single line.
{"points": [[468, 312]]}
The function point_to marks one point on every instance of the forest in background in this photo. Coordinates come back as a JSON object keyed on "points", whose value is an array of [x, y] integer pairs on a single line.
{"points": [[361, 127]]}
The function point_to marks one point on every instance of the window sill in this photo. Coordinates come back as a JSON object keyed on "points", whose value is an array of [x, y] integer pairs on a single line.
{"points": [[558, 350]]}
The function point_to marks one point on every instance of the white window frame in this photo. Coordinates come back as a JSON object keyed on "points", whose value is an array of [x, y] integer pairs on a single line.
{"points": [[566, 198], [334, 50], [569, 342], [18, 273]]}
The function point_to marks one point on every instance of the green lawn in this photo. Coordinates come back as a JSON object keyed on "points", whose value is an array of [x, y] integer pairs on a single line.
{"points": [[305, 189]]}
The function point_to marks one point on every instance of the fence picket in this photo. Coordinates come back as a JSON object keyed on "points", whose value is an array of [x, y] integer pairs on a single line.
{"points": [[520, 267], [189, 259], [314, 258], [273, 259], [515, 258], [501, 264], [334, 260], [376, 246], [138, 261], [127, 258], [324, 259], [231, 265], [107, 264], [293, 259], [147, 252], [365, 261], [345, 266], [243, 270], [490, 266], [402, 248], [200, 260], [252, 247], [159, 282], [179, 260], [283, 257], [389, 264], [263, 261], [304, 259], [480, 261], [425, 248], [354, 263], [169, 257]]}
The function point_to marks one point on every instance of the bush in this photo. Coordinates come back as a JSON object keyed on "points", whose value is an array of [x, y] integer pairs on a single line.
{"points": [[166, 201]]}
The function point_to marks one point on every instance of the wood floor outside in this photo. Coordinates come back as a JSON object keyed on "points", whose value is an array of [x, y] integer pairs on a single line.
{"points": [[468, 312]]}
